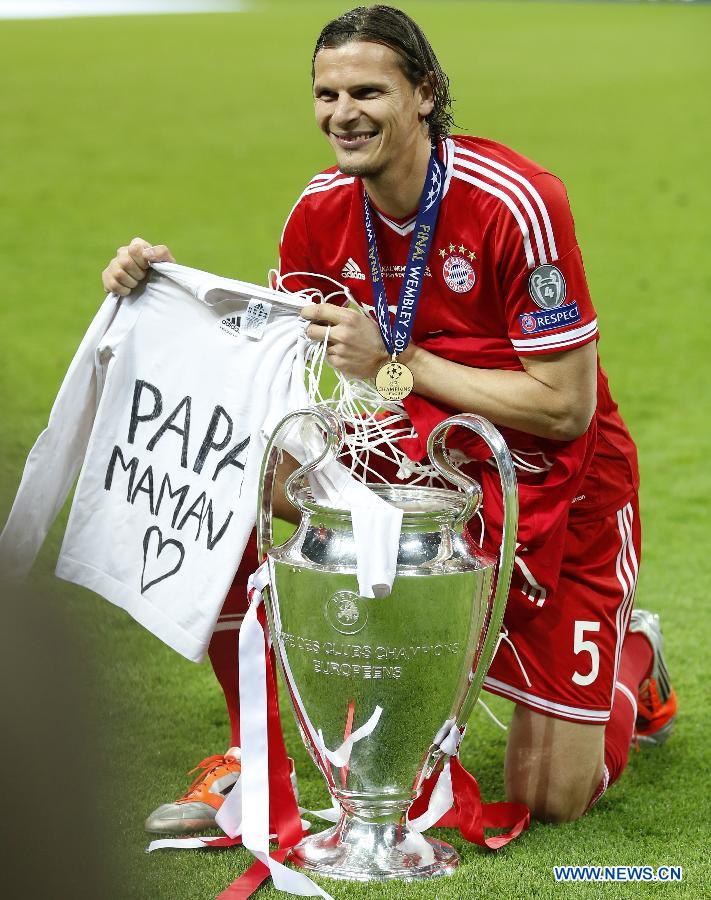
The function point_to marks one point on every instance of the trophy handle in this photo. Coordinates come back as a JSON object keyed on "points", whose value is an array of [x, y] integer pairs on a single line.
{"points": [[333, 431], [497, 607]]}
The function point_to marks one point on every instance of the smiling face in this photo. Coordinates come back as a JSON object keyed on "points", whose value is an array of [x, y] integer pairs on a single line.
{"points": [[369, 111]]}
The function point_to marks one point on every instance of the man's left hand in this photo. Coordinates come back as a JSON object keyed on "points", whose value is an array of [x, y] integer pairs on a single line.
{"points": [[355, 345]]}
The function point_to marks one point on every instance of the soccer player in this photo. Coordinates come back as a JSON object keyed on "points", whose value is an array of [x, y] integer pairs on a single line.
{"points": [[504, 327]]}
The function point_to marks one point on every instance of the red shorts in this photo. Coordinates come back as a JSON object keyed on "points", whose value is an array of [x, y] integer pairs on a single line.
{"points": [[570, 645]]}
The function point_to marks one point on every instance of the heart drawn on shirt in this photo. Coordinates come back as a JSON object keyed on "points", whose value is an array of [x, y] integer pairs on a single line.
{"points": [[161, 558]]}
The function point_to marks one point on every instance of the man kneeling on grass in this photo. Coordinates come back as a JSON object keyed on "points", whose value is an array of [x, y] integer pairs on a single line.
{"points": [[505, 327]]}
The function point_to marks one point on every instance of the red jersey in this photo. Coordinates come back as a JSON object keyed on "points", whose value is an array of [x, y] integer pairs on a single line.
{"points": [[504, 280]]}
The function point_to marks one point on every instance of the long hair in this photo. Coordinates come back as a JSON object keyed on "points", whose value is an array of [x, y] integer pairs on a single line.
{"points": [[392, 27]]}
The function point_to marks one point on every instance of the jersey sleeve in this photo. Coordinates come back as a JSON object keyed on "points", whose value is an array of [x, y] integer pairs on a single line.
{"points": [[547, 304]]}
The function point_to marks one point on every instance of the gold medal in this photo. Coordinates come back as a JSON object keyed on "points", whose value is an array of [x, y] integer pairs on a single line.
{"points": [[394, 380]]}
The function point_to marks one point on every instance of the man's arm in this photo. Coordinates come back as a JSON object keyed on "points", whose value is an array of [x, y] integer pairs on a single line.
{"points": [[282, 507], [553, 397]]}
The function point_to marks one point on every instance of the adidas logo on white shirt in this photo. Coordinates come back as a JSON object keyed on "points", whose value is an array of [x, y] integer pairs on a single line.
{"points": [[352, 270], [230, 325]]}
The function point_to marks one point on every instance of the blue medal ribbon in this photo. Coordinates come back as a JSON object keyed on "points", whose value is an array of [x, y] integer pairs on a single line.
{"points": [[397, 337]]}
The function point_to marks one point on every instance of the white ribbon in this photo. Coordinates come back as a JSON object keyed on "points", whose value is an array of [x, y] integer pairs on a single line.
{"points": [[414, 842], [504, 636], [254, 795], [449, 737], [330, 814], [491, 715], [441, 801], [341, 756], [192, 843]]}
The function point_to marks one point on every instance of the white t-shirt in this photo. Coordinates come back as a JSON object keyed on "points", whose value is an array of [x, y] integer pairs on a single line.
{"points": [[162, 408]]}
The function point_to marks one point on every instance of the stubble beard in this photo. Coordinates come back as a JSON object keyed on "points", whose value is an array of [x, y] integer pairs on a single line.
{"points": [[361, 169]]}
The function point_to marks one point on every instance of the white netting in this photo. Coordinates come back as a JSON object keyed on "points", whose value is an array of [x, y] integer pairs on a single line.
{"points": [[373, 425]]}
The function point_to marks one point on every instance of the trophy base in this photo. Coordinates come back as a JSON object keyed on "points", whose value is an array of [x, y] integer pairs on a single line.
{"points": [[356, 850]]}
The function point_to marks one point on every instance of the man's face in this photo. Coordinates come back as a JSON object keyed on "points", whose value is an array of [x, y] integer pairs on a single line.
{"points": [[367, 108]]}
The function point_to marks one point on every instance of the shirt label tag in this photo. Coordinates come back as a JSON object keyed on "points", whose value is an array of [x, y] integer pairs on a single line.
{"points": [[254, 321]]}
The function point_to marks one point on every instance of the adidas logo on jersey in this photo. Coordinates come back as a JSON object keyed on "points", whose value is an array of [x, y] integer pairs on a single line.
{"points": [[352, 270], [230, 324]]}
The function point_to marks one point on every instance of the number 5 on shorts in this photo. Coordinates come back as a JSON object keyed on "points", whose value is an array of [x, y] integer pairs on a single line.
{"points": [[580, 645]]}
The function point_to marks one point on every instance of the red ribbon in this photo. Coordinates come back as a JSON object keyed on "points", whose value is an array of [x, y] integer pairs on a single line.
{"points": [[249, 881], [469, 814], [284, 810]]}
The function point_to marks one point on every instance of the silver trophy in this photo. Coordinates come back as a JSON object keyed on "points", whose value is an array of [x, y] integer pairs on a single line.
{"points": [[398, 671]]}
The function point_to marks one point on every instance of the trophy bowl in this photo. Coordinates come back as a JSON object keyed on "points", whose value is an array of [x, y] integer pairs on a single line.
{"points": [[377, 684]]}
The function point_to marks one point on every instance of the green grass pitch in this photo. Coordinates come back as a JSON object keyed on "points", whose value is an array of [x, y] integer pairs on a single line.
{"points": [[196, 131]]}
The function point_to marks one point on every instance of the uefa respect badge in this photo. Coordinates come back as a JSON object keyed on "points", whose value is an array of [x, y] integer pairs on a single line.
{"points": [[549, 319]]}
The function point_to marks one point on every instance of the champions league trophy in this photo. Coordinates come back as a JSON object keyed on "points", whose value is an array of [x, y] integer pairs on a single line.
{"points": [[397, 673]]}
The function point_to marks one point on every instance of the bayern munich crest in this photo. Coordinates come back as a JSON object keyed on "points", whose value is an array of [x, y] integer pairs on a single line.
{"points": [[458, 271]]}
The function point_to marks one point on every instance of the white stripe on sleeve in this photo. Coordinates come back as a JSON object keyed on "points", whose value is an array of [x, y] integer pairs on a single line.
{"points": [[515, 211], [556, 341], [518, 194], [511, 173]]}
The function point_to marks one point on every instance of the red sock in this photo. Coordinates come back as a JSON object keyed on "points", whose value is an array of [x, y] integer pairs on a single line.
{"points": [[635, 666], [223, 656], [224, 642]]}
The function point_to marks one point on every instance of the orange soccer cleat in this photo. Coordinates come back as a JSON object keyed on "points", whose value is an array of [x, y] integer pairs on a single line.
{"points": [[656, 700], [198, 806]]}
